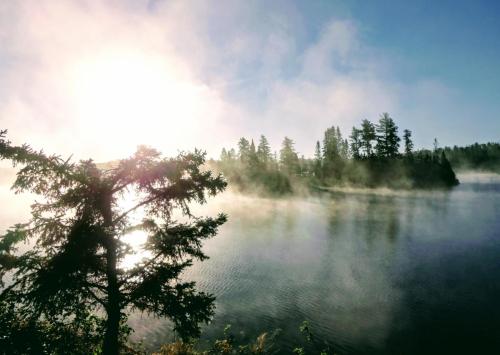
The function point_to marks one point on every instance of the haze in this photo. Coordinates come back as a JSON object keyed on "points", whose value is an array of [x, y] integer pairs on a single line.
{"points": [[97, 78]]}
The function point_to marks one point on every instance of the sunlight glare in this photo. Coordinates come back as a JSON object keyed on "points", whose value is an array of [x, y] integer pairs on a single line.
{"points": [[138, 98]]}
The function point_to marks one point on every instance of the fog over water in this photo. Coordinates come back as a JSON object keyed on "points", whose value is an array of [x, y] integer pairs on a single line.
{"points": [[372, 271]]}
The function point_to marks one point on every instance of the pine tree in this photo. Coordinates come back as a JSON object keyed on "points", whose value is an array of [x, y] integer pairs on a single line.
{"points": [[253, 160], [435, 144], [244, 150], [224, 155], [76, 236], [288, 156], [367, 137], [331, 145], [355, 142], [318, 160], [387, 137], [407, 141], [264, 150], [333, 162]]}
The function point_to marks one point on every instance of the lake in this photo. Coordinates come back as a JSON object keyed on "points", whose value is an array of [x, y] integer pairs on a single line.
{"points": [[372, 271]]}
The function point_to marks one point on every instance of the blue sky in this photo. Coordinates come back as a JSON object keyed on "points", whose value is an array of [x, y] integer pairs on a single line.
{"points": [[216, 71]]}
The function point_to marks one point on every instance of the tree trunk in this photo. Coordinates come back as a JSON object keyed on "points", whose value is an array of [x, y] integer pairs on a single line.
{"points": [[111, 345]]}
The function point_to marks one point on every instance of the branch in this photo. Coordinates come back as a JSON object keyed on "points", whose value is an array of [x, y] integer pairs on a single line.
{"points": [[94, 296], [91, 284], [124, 214]]}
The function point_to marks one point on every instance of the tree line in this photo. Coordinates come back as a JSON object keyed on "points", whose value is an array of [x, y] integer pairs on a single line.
{"points": [[373, 155], [475, 157]]}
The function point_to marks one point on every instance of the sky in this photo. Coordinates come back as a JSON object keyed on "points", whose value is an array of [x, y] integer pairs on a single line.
{"points": [[97, 78]]}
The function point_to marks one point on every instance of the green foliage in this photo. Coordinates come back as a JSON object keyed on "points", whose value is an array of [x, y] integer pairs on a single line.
{"points": [[289, 160], [334, 154], [387, 137], [407, 141], [265, 343], [476, 156], [228, 345], [341, 162], [264, 151], [356, 145], [18, 335], [367, 137], [258, 171], [72, 269]]}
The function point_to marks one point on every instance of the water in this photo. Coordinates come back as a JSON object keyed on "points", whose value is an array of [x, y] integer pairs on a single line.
{"points": [[373, 272]]}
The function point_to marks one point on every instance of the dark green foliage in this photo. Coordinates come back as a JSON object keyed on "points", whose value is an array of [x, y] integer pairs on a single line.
{"points": [[477, 156], [430, 169], [80, 335], [72, 269], [387, 137], [367, 137], [355, 146], [306, 342], [334, 154], [407, 141], [339, 162]]}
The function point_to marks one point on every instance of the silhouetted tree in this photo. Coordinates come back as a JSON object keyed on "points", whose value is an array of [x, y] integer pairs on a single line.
{"points": [[355, 142], [367, 137], [387, 137], [407, 141], [73, 267], [447, 174], [435, 144], [476, 156]]}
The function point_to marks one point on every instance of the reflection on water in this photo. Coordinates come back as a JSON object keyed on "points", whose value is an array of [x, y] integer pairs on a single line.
{"points": [[374, 272]]}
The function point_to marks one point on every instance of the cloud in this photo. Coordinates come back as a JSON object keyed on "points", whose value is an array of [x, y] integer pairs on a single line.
{"points": [[253, 68]]}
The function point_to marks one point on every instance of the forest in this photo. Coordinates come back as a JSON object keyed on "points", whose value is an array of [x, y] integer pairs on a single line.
{"points": [[373, 155], [484, 157]]}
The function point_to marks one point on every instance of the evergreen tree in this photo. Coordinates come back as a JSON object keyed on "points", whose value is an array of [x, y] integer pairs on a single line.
{"points": [[224, 155], [367, 137], [331, 145], [231, 154], [355, 142], [387, 137], [448, 176], [73, 267], [244, 150], [435, 144], [345, 149], [252, 148], [264, 150], [288, 156], [317, 160], [333, 162], [253, 160], [407, 141]]}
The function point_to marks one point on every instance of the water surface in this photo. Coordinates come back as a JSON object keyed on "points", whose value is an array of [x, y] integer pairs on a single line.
{"points": [[373, 272]]}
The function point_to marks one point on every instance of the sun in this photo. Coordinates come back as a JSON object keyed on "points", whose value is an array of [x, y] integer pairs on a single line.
{"points": [[134, 97]]}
